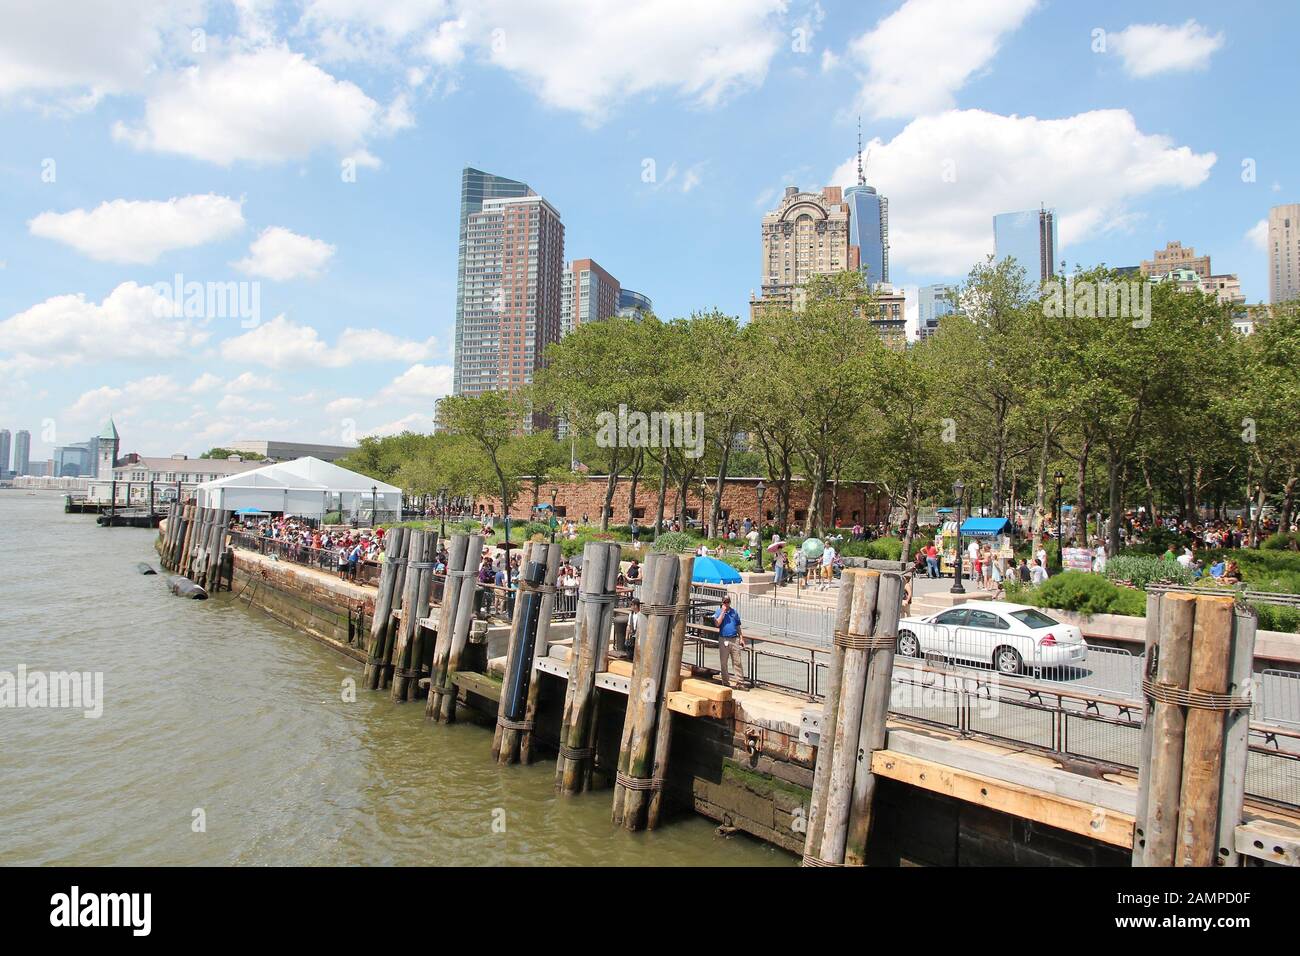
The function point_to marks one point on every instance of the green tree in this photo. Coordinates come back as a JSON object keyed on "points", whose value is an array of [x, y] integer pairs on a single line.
{"points": [[489, 420]]}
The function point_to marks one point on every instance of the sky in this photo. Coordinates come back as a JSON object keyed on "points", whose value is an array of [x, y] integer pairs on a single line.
{"points": [[238, 220]]}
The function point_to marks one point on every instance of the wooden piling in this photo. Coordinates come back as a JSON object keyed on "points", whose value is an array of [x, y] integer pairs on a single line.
{"points": [[541, 646], [382, 625], [182, 564], [826, 737], [514, 652], [1236, 735], [451, 587], [875, 714], [672, 684], [460, 629], [1198, 803], [1151, 654], [415, 605], [848, 724], [393, 544], [1168, 735], [572, 769], [635, 759]]}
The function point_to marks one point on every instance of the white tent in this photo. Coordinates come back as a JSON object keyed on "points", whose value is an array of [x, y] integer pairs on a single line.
{"points": [[305, 486]]}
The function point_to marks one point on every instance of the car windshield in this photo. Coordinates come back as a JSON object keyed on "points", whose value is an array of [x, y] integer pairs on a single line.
{"points": [[1034, 619]]}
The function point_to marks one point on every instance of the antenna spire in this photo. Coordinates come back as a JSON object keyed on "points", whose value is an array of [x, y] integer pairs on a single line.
{"points": [[861, 180]]}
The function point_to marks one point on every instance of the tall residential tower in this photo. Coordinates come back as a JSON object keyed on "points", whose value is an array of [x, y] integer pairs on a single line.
{"points": [[508, 283], [1284, 253]]}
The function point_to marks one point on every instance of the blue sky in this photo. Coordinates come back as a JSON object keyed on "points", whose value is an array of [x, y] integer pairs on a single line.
{"points": [[134, 149]]}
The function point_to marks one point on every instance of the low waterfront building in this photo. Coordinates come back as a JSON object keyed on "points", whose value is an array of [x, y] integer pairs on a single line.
{"points": [[289, 450], [130, 480]]}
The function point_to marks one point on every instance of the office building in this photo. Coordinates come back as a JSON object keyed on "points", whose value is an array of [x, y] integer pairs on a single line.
{"points": [[508, 303], [1284, 253], [1175, 257], [587, 294], [933, 302], [5, 441], [890, 319], [22, 452], [1030, 238]]}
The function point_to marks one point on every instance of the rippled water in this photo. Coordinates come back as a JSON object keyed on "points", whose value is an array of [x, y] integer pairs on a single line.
{"points": [[210, 705]]}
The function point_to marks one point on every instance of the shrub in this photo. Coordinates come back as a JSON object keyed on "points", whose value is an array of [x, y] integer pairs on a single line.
{"points": [[1277, 617], [675, 541], [881, 549], [1281, 542], [536, 527], [1142, 570], [1080, 591]]}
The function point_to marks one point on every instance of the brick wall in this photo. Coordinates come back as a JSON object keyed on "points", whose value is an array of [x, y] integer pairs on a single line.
{"points": [[856, 501]]}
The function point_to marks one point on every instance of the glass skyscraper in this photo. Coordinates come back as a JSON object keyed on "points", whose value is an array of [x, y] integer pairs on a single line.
{"points": [[933, 301], [1030, 238], [869, 231]]}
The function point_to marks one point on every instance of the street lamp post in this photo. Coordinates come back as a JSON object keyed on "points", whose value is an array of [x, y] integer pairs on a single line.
{"points": [[554, 520], [442, 509], [958, 489], [1059, 478], [982, 484], [374, 505], [762, 490]]}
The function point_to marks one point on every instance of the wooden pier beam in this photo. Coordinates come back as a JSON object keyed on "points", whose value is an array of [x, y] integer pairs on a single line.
{"points": [[382, 624], [1150, 656], [415, 606], [1236, 735], [672, 684]]}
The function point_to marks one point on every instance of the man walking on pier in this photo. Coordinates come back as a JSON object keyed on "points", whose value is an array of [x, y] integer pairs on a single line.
{"points": [[730, 642]]}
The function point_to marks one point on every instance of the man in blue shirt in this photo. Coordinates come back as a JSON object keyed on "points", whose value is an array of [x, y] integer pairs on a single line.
{"points": [[730, 641]]}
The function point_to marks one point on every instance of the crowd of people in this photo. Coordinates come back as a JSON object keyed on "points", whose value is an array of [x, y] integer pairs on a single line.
{"points": [[345, 549]]}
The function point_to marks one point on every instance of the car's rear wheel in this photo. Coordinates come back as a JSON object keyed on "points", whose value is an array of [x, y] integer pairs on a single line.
{"points": [[1007, 660], [908, 645]]}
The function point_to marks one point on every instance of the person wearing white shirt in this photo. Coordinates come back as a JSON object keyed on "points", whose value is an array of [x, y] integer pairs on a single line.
{"points": [[828, 567], [1037, 574], [1099, 558]]}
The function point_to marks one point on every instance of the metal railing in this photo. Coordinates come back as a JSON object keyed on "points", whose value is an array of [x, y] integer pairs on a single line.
{"points": [[1280, 598], [323, 559]]}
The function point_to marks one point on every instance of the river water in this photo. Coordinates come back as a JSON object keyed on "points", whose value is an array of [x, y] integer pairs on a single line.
{"points": [[225, 738]]}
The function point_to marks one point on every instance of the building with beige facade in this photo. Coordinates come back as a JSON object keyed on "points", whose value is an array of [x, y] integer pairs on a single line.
{"points": [[806, 235], [587, 294], [1173, 257], [1284, 253]]}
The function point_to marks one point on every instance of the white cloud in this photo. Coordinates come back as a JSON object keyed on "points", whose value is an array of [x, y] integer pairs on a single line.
{"points": [[419, 381], [266, 106], [88, 49], [133, 323], [1257, 235], [280, 254], [920, 55], [1148, 49], [344, 406], [205, 383], [94, 404], [283, 343], [248, 382], [139, 231], [414, 422], [946, 176]]}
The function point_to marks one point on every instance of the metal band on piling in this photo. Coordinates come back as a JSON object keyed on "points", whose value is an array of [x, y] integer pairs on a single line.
{"points": [[597, 598], [576, 753], [658, 610], [816, 861], [421, 565], [638, 783], [1172, 694], [862, 642], [521, 725]]}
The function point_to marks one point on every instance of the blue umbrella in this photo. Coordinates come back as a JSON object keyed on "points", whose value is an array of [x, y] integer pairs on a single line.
{"points": [[712, 571]]}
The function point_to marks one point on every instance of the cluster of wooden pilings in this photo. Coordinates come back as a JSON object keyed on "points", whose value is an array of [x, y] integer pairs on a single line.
{"points": [[853, 720], [591, 628], [1191, 783], [400, 658], [194, 545]]}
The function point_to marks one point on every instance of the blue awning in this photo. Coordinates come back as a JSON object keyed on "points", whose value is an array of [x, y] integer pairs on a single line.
{"points": [[983, 527]]}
